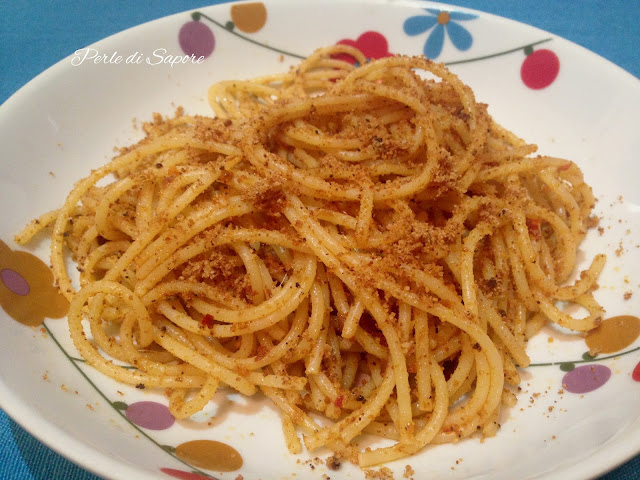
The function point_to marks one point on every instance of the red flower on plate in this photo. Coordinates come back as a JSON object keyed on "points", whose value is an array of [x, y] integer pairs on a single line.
{"points": [[372, 44], [196, 38], [182, 475], [636, 373], [540, 68]]}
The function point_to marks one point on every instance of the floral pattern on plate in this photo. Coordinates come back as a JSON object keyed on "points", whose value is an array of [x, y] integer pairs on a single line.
{"points": [[27, 292], [438, 23], [538, 71]]}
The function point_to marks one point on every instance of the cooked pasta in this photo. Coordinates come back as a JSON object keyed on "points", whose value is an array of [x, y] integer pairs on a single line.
{"points": [[364, 243]]}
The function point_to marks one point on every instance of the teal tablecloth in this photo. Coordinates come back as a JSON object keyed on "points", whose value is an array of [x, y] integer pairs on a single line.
{"points": [[35, 34]]}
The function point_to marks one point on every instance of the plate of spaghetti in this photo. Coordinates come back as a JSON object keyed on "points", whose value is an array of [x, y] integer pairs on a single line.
{"points": [[401, 247]]}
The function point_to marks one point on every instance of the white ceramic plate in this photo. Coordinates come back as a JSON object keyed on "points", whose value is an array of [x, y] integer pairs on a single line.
{"points": [[566, 99]]}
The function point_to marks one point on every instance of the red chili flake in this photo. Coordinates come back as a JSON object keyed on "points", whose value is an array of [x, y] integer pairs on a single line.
{"points": [[533, 224], [564, 167], [207, 321], [339, 400], [261, 352]]}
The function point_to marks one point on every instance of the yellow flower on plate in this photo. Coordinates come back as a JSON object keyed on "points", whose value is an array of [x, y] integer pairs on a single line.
{"points": [[27, 292], [249, 17]]}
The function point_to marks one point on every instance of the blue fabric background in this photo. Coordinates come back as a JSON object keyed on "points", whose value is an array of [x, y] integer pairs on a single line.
{"points": [[35, 34]]}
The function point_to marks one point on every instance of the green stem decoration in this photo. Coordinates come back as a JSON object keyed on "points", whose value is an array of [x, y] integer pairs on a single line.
{"points": [[73, 361]]}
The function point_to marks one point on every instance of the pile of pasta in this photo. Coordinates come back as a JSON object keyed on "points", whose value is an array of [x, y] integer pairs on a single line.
{"points": [[361, 243]]}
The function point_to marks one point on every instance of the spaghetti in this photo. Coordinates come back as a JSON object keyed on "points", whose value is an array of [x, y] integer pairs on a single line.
{"points": [[365, 243]]}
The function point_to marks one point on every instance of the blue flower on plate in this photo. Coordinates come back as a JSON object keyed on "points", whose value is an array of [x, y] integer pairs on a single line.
{"points": [[439, 22]]}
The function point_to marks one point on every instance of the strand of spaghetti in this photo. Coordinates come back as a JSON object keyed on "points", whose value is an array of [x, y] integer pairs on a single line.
{"points": [[282, 382], [92, 259], [315, 401], [167, 261], [467, 280], [180, 408], [88, 241], [315, 186], [194, 190], [365, 216], [350, 369], [93, 358], [434, 285], [424, 436], [383, 91], [371, 344], [169, 194], [485, 399], [511, 374], [36, 225], [464, 365], [533, 269], [318, 326], [200, 289], [305, 135], [288, 428], [309, 228], [182, 351], [57, 236], [242, 326], [423, 368], [578, 324], [488, 349], [520, 165], [352, 319], [518, 272], [147, 361], [297, 415], [405, 321], [334, 369], [355, 150], [103, 340], [105, 206], [277, 352], [143, 320], [144, 207], [447, 349], [200, 219], [329, 390], [340, 301], [465, 388], [478, 123], [96, 312], [516, 348], [283, 302], [251, 261], [561, 191], [308, 342], [347, 428]]}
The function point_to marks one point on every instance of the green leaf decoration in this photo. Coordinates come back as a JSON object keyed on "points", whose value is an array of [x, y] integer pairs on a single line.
{"points": [[587, 357], [119, 405], [196, 16], [168, 449], [567, 366], [202, 474], [528, 50], [229, 26]]}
